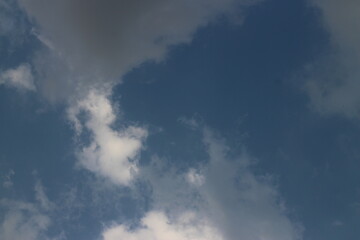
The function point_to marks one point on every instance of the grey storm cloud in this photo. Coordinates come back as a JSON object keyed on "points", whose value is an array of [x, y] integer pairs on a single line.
{"points": [[99, 41]]}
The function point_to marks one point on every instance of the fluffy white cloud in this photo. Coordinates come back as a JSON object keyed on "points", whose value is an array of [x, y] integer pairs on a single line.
{"points": [[110, 153], [334, 81], [157, 226], [224, 198], [20, 77]]}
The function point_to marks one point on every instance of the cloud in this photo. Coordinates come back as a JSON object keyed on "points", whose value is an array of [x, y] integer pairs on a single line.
{"points": [[334, 80], [101, 40], [157, 226], [337, 223], [243, 204], [24, 220], [12, 26], [41, 197], [92, 44], [7, 179], [223, 198], [20, 78], [111, 154], [7, 22]]}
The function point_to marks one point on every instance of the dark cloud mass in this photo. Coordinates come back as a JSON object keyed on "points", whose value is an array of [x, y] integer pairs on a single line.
{"points": [[99, 41]]}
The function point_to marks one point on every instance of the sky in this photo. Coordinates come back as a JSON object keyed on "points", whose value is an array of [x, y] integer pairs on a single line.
{"points": [[179, 120]]}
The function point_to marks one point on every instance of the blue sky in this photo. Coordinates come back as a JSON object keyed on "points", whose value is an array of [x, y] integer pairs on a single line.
{"points": [[179, 120]]}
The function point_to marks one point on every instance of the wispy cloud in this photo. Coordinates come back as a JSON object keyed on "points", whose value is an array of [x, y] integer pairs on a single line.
{"points": [[227, 201], [20, 78], [334, 80], [7, 179], [25, 220]]}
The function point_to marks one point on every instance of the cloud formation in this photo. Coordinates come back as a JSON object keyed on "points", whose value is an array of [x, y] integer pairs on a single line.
{"points": [[12, 25], [20, 78], [111, 154], [222, 199], [334, 81], [101, 40], [157, 226], [24, 220], [91, 44]]}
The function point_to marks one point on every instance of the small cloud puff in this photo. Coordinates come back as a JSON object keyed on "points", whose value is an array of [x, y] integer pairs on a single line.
{"points": [[20, 78]]}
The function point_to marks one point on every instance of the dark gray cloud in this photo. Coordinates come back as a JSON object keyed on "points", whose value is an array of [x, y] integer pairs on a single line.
{"points": [[99, 41]]}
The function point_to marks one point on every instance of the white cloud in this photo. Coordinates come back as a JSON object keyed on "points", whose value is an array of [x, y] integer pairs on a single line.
{"points": [[20, 78], [41, 197], [334, 81], [242, 204], [195, 178], [111, 154], [157, 226], [24, 220], [225, 198], [192, 123]]}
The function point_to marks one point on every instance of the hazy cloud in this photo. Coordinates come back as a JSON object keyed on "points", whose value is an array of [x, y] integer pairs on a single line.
{"points": [[224, 197], [8, 179], [20, 78], [12, 24], [334, 80], [25, 220], [337, 223]]}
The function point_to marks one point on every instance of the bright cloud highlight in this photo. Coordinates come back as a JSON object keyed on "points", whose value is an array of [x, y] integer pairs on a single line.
{"points": [[111, 154]]}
